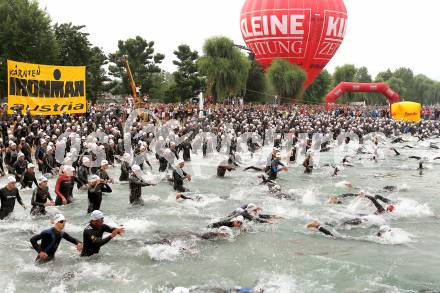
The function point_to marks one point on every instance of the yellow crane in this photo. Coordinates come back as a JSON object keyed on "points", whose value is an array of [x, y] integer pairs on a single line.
{"points": [[138, 101]]}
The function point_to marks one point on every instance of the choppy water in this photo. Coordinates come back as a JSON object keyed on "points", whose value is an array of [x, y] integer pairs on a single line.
{"points": [[284, 257]]}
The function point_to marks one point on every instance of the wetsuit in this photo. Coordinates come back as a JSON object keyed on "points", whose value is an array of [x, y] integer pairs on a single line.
{"points": [[325, 231], [274, 169], [63, 187], [186, 147], [19, 167], [39, 156], [48, 163], [104, 176], [39, 199], [163, 163], [82, 176], [204, 147], [125, 171], [221, 223], [8, 198], [50, 239], [27, 179], [178, 176], [11, 157], [136, 185], [94, 195], [93, 240]]}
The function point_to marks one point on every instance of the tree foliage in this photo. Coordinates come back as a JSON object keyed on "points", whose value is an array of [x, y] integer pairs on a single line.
{"points": [[25, 35], [225, 67], [320, 87], [287, 79], [188, 82], [76, 50], [144, 64], [256, 84]]}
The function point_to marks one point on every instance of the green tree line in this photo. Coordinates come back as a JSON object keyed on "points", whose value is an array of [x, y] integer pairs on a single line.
{"points": [[28, 34]]}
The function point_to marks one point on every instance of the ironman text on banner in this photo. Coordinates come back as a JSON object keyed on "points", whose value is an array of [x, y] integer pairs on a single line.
{"points": [[46, 89]]}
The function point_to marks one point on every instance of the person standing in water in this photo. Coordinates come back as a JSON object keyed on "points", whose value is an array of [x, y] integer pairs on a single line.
{"points": [[50, 240], [40, 198], [8, 195], [93, 234], [136, 183]]}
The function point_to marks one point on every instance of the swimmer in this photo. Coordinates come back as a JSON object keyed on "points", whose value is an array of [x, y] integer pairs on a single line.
{"points": [[50, 240]]}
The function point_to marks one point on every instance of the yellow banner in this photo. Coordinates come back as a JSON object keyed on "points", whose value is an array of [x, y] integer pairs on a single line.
{"points": [[46, 89]]}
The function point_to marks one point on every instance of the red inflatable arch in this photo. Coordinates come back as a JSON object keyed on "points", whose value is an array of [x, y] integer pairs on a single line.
{"points": [[345, 87]]}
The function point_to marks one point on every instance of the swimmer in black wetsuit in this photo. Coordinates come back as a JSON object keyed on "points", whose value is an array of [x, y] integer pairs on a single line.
{"points": [[28, 177], [96, 187], [136, 183], [50, 239], [275, 189], [93, 234], [40, 198], [236, 222], [8, 195], [179, 176], [316, 225]]}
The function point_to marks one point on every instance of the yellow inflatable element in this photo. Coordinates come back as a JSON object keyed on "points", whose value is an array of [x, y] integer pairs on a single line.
{"points": [[407, 111]]}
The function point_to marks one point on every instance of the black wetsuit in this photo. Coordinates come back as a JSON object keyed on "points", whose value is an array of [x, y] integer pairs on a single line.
{"points": [[50, 239], [221, 223], [27, 179], [82, 176], [39, 199], [136, 185], [178, 181], [325, 231], [125, 171], [274, 169], [94, 195], [163, 163], [20, 167], [8, 198], [186, 148], [93, 240]]}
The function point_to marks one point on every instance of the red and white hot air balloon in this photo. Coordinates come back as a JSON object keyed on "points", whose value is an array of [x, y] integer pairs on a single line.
{"points": [[305, 32]]}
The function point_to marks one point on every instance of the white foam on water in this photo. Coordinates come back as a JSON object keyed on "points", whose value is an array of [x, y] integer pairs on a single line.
{"points": [[164, 252], [10, 288], [61, 288], [394, 237], [309, 198], [278, 283], [343, 184], [411, 208], [135, 225]]}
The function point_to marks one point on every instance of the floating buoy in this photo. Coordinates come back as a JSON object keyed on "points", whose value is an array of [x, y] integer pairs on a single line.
{"points": [[406, 111]]}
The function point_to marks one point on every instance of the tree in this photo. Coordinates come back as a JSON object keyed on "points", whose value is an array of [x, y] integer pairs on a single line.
{"points": [[384, 76], [25, 35], [345, 73], [188, 82], [407, 76], [143, 63], [320, 87], [225, 67], [75, 49], [287, 79], [256, 84], [363, 76]]}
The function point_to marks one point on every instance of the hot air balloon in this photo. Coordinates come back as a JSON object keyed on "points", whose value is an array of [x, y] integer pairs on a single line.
{"points": [[305, 32]]}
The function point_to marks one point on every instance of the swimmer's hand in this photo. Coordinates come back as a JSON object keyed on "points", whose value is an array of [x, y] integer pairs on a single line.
{"points": [[79, 246], [188, 177], [24, 206]]}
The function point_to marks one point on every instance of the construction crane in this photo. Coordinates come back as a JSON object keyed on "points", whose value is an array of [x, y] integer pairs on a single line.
{"points": [[137, 100]]}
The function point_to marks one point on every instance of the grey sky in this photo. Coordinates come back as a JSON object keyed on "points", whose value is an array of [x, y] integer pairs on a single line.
{"points": [[381, 33]]}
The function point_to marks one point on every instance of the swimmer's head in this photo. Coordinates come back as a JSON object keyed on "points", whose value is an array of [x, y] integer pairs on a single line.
{"points": [[333, 200], [383, 229], [391, 208]]}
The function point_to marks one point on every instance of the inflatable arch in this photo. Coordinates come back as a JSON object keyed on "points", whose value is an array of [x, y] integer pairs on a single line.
{"points": [[345, 87]]}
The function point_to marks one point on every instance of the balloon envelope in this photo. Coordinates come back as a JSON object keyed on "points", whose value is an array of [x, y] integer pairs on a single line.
{"points": [[305, 32], [407, 111]]}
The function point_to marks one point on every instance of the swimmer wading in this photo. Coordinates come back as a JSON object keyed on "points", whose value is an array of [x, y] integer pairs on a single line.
{"points": [[46, 89]]}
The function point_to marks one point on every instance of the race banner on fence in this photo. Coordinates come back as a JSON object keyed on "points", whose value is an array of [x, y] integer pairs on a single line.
{"points": [[46, 89]]}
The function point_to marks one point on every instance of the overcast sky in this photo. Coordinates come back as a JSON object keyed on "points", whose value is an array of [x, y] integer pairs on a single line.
{"points": [[381, 33]]}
